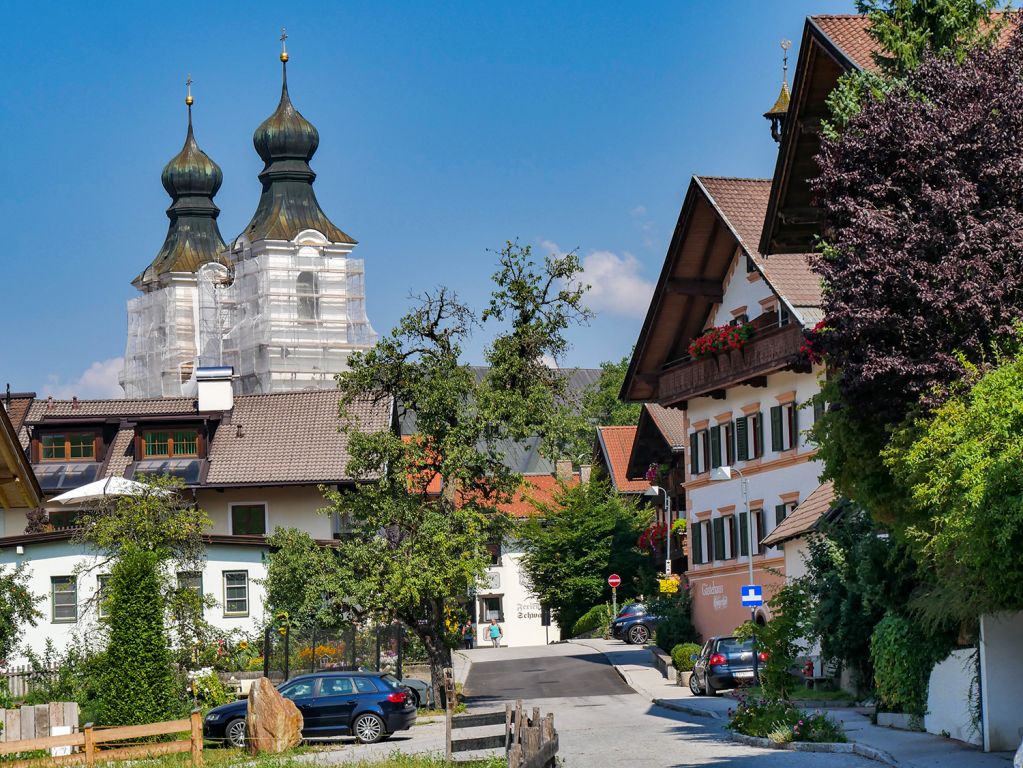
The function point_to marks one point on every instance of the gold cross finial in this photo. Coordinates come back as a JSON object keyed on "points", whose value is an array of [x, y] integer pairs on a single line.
{"points": [[188, 85], [284, 45]]}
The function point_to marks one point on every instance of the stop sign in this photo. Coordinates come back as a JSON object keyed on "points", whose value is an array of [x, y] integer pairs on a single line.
{"points": [[614, 580]]}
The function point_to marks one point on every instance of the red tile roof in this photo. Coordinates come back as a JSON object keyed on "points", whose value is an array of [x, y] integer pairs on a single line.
{"points": [[616, 444], [742, 203], [670, 422], [848, 32], [535, 488], [804, 517], [18, 410]]}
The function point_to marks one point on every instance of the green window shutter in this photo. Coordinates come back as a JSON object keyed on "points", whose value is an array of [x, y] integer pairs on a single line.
{"points": [[694, 459], [741, 427], [733, 535], [719, 538], [715, 446], [697, 543], [731, 443], [794, 425], [779, 514], [761, 530], [777, 435], [743, 534], [759, 432]]}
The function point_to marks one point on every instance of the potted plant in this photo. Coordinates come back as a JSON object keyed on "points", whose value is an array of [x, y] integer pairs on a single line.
{"points": [[683, 656]]}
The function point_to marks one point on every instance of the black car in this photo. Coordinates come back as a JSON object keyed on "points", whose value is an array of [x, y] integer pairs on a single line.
{"points": [[368, 705], [724, 662], [634, 625]]}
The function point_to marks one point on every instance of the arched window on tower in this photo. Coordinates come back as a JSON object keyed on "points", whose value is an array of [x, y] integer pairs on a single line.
{"points": [[308, 301]]}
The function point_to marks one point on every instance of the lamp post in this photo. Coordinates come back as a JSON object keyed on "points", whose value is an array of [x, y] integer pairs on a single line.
{"points": [[655, 490], [722, 474]]}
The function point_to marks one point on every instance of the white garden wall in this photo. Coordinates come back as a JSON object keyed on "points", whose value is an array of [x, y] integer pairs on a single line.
{"points": [[1001, 638], [948, 697]]}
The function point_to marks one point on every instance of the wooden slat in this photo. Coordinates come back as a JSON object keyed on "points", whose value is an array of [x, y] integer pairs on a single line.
{"points": [[124, 732], [46, 742], [542, 756], [475, 721], [478, 743]]}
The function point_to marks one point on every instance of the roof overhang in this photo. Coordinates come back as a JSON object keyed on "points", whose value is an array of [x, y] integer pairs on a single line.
{"points": [[18, 484]]}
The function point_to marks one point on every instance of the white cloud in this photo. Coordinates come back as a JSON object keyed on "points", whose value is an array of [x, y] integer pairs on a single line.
{"points": [[98, 381], [616, 285]]}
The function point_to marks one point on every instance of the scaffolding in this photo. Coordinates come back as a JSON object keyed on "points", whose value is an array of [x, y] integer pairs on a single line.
{"points": [[160, 354]]}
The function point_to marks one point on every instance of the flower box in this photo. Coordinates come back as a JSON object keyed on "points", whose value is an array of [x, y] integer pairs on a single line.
{"points": [[724, 338]]}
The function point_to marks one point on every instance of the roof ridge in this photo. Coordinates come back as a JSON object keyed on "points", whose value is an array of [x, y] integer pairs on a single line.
{"points": [[839, 16], [731, 178]]}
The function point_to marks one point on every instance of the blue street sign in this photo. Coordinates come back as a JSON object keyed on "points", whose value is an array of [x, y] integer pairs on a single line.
{"points": [[752, 595]]}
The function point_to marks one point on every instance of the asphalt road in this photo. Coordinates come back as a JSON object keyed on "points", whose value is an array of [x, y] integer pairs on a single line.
{"points": [[543, 677]]}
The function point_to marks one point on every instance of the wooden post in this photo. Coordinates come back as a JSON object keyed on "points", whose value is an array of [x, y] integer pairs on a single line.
{"points": [[449, 707], [196, 722], [520, 721], [507, 727], [90, 746], [515, 756], [535, 722]]}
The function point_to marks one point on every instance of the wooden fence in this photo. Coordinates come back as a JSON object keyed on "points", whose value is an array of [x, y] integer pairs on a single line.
{"points": [[38, 720], [86, 748], [19, 678]]}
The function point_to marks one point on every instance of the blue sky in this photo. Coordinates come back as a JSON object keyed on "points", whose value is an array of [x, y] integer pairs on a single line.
{"points": [[445, 129]]}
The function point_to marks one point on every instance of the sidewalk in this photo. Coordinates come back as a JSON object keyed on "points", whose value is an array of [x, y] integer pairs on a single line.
{"points": [[906, 748]]}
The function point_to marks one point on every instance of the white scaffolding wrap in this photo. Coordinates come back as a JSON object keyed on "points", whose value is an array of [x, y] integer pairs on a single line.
{"points": [[159, 358]]}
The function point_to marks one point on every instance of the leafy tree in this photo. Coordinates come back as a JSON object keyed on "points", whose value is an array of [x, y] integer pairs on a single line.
{"points": [[601, 406], [17, 608], [588, 532], [412, 553], [903, 656], [783, 638]]}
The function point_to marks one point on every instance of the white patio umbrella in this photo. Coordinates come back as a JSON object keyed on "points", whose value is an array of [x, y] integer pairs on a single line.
{"points": [[102, 489]]}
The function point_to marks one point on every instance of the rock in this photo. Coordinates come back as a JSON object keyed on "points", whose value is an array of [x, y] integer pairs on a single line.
{"points": [[273, 723]]}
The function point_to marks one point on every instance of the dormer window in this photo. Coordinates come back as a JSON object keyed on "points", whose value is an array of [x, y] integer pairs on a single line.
{"points": [[171, 444], [75, 446]]}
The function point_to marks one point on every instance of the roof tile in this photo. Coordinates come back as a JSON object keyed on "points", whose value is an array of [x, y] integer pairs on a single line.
{"points": [[535, 489], [804, 517], [671, 422], [616, 442], [849, 34]]}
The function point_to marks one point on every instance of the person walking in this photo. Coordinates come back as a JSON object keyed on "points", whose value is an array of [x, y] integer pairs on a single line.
{"points": [[468, 634], [495, 633]]}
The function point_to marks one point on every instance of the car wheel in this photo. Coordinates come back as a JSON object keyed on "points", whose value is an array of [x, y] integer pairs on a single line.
{"points": [[638, 635], [694, 685], [235, 733], [368, 728], [414, 696], [710, 690]]}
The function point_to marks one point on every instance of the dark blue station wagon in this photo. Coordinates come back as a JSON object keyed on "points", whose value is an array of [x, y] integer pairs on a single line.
{"points": [[367, 705]]}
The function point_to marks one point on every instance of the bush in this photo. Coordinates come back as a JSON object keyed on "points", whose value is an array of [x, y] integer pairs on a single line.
{"points": [[783, 638], [780, 722], [598, 617], [207, 690], [903, 657], [677, 620], [77, 668], [681, 656]]}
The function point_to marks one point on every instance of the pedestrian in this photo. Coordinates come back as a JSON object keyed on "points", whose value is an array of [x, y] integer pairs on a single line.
{"points": [[468, 634], [495, 633]]}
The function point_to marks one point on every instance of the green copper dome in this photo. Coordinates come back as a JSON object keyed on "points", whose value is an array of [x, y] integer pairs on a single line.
{"points": [[286, 142], [191, 178]]}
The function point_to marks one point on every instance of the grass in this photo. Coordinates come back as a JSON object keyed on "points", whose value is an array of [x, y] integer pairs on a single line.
{"points": [[230, 758], [807, 694]]}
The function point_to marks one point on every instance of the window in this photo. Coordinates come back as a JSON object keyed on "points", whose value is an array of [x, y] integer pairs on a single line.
{"points": [[364, 685], [300, 689], [62, 518], [308, 301], [492, 609], [722, 445], [494, 548], [64, 596], [701, 542], [749, 437], [718, 526], [784, 316], [336, 686], [784, 427], [781, 511], [699, 451], [739, 319], [731, 537], [759, 532], [80, 446], [190, 580], [176, 443], [236, 593], [102, 593], [248, 519]]}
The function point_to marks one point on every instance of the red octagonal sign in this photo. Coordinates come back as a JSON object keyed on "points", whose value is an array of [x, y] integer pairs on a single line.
{"points": [[614, 580]]}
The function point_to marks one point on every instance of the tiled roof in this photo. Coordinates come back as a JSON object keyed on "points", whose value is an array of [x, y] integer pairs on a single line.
{"points": [[790, 275], [671, 422], [804, 517], [288, 437], [121, 453], [743, 204], [536, 488], [158, 406], [849, 34], [616, 444], [18, 410]]}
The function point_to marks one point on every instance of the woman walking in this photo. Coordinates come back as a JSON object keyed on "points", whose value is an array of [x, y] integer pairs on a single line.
{"points": [[495, 633]]}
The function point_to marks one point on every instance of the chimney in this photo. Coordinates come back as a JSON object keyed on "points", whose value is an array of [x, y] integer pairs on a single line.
{"points": [[74, 402], [563, 470], [584, 473], [214, 385]]}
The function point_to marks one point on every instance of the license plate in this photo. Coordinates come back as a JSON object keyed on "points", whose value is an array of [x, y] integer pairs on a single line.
{"points": [[743, 675]]}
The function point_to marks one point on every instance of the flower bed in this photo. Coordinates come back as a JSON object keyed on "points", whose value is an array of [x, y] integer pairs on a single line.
{"points": [[782, 723], [724, 338]]}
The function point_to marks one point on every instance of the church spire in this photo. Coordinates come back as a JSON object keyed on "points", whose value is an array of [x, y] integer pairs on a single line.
{"points": [[776, 114], [286, 142], [191, 179]]}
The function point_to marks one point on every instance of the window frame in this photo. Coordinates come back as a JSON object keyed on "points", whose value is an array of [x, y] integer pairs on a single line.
{"points": [[485, 614], [699, 449], [266, 516], [67, 435], [178, 576], [102, 585], [171, 453], [54, 580], [228, 614]]}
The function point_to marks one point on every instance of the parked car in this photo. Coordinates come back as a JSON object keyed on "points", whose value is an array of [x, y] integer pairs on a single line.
{"points": [[420, 691], [634, 625], [723, 662], [367, 705]]}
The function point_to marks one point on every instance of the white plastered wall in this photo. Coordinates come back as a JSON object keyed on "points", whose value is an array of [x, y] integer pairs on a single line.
{"points": [[948, 697], [287, 507], [1001, 680], [522, 624]]}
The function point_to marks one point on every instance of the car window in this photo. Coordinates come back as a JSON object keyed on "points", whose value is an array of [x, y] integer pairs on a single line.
{"points": [[732, 645], [392, 681], [336, 686], [365, 685], [706, 649], [299, 689]]}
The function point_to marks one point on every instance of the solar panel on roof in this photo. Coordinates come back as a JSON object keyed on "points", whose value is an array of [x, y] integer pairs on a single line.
{"points": [[65, 476], [186, 470]]}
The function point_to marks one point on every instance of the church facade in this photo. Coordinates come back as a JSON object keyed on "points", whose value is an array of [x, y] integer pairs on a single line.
{"points": [[283, 303]]}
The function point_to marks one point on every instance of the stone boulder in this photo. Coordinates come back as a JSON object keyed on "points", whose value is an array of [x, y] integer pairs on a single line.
{"points": [[273, 723]]}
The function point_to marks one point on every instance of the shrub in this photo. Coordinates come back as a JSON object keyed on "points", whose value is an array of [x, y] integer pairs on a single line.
{"points": [[207, 690], [903, 657], [783, 638], [598, 617], [781, 722], [681, 656], [677, 619], [77, 668]]}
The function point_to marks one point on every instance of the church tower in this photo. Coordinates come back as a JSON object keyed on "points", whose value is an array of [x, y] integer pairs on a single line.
{"points": [[295, 307], [163, 335]]}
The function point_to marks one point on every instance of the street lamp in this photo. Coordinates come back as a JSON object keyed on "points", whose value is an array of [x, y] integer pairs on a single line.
{"points": [[655, 490], [721, 474]]}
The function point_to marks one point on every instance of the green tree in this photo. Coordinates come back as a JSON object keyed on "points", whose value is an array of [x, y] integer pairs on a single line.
{"points": [[17, 607], [600, 405], [411, 552], [136, 681], [301, 580], [571, 546], [783, 638]]}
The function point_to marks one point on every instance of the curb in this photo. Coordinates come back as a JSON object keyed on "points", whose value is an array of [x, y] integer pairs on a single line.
{"points": [[849, 748], [687, 709]]}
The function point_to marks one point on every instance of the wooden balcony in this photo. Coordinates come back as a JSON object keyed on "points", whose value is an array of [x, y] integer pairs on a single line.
{"points": [[771, 350]]}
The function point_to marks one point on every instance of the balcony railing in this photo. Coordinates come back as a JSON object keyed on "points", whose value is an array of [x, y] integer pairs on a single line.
{"points": [[771, 350]]}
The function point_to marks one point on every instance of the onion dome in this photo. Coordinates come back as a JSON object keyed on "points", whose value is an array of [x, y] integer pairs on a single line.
{"points": [[776, 114], [191, 179], [286, 142]]}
